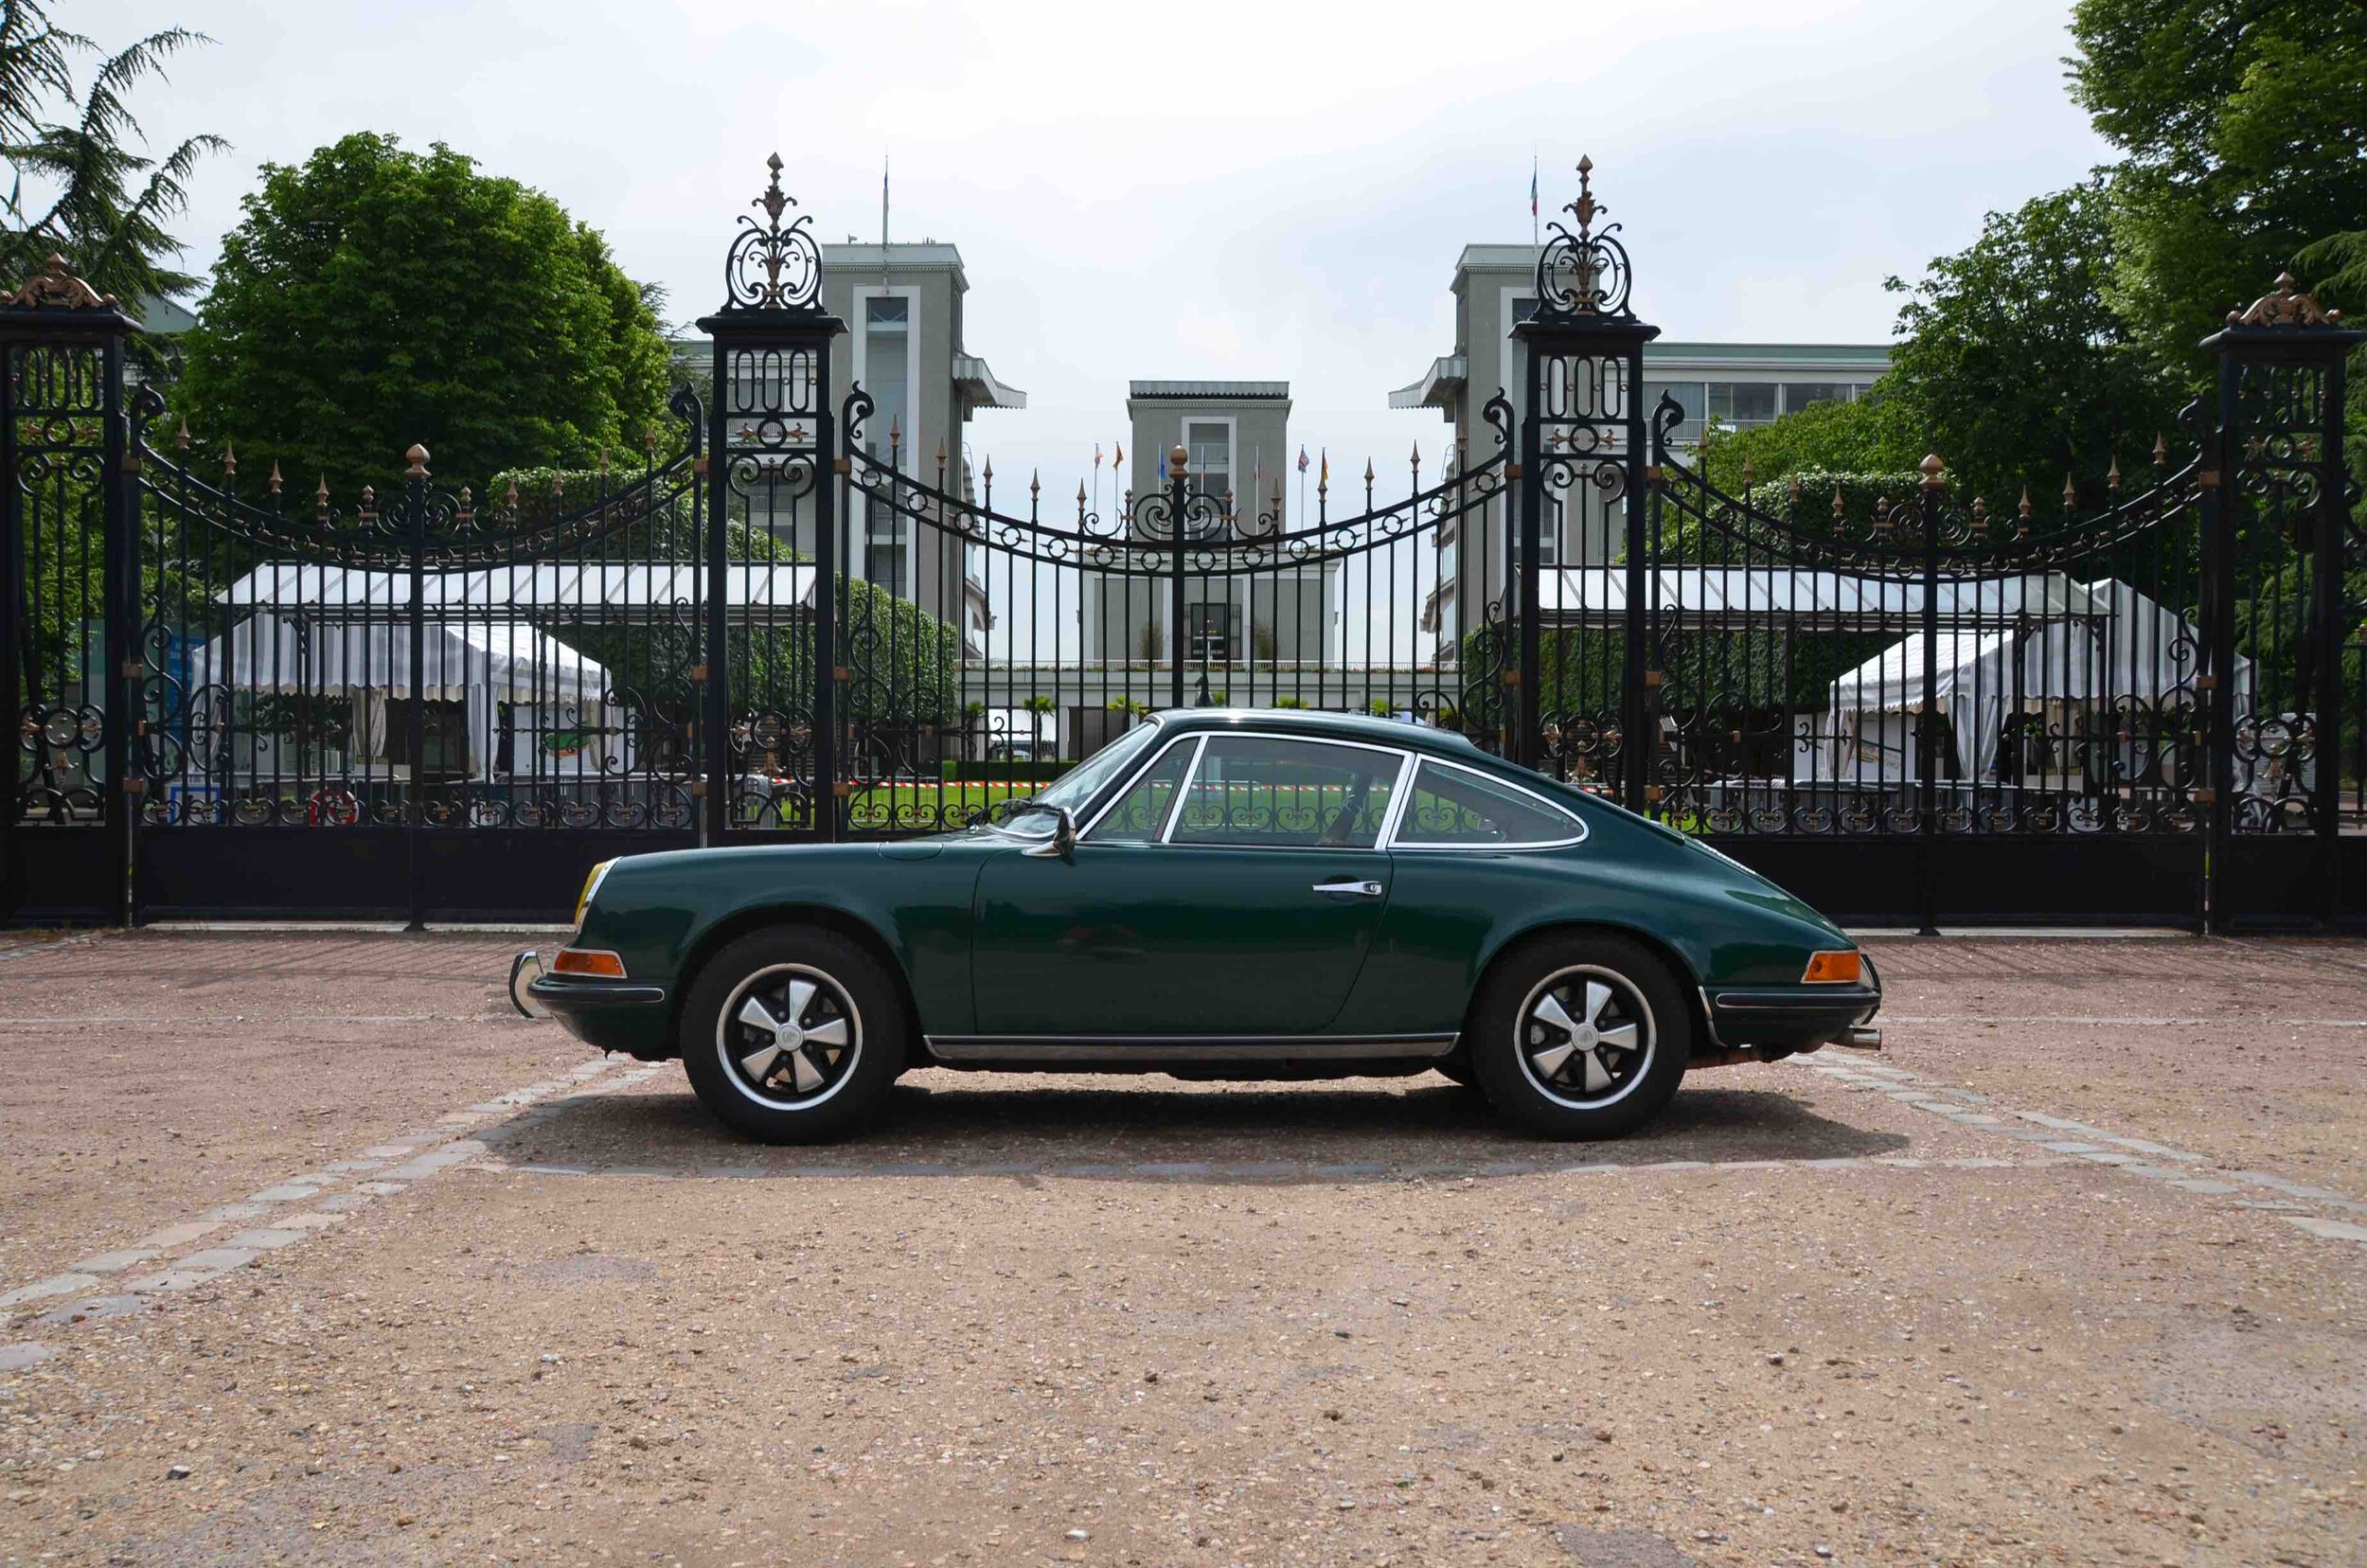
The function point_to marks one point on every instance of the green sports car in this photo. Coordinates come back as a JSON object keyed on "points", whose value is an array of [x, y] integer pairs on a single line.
{"points": [[1217, 894]]}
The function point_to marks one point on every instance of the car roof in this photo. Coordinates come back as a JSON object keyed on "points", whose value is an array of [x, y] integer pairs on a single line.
{"points": [[1343, 726]]}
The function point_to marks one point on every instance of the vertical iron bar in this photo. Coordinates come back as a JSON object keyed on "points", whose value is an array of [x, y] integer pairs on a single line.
{"points": [[826, 589], [2218, 638], [1176, 493], [1927, 729], [414, 817], [1641, 722], [2329, 534], [14, 540], [122, 616], [1527, 677], [713, 747]]}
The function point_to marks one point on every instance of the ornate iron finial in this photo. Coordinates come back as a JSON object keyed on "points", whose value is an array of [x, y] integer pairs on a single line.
{"points": [[1980, 516], [941, 451], [603, 460], [271, 485], [1933, 468], [559, 484], [369, 504], [649, 442], [1034, 485], [2286, 304], [990, 469], [2071, 493], [2113, 475], [415, 460], [1792, 490], [1368, 471], [1750, 475], [181, 435], [2024, 507], [320, 497], [1837, 501], [229, 461], [1177, 460], [509, 496], [1583, 273], [54, 286], [2161, 451], [468, 506], [1586, 208], [771, 267]]}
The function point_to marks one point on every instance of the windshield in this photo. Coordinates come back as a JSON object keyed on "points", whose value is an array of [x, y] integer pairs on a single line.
{"points": [[1078, 786]]}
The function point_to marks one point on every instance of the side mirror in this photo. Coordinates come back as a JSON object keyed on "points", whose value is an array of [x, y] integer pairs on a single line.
{"points": [[1062, 844]]}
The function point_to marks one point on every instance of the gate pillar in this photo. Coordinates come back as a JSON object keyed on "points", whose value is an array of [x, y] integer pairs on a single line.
{"points": [[770, 441], [2279, 544], [1582, 432], [68, 606]]}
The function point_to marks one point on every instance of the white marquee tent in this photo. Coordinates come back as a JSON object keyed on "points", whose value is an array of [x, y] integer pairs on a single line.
{"points": [[478, 663]]}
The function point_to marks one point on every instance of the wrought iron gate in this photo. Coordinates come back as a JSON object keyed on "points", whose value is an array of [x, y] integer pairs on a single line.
{"points": [[2142, 703]]}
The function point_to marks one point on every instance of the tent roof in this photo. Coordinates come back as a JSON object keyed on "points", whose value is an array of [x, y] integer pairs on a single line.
{"points": [[285, 586], [268, 653], [1736, 595]]}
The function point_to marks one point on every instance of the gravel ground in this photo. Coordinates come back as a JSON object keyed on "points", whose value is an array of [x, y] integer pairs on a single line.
{"points": [[1839, 1309]]}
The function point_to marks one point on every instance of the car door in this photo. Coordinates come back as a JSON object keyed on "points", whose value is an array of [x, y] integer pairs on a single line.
{"points": [[1234, 888]]}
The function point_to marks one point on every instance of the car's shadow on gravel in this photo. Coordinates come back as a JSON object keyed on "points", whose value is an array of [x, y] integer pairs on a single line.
{"points": [[947, 1123]]}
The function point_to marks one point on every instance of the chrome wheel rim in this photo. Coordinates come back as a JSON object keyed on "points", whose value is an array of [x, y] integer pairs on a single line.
{"points": [[1586, 1037], [789, 1037]]}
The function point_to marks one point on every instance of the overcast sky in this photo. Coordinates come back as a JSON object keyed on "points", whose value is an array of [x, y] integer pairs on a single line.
{"points": [[1256, 190]]}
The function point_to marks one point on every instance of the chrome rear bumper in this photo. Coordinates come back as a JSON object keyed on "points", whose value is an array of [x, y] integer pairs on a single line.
{"points": [[524, 969]]}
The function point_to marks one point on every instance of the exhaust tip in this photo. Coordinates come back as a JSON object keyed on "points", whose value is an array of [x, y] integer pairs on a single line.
{"points": [[1860, 1037]]}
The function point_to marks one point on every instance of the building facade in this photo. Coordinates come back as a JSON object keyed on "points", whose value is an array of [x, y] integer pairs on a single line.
{"points": [[1727, 386], [1236, 437]]}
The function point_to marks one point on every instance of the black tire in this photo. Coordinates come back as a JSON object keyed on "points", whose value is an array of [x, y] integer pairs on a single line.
{"points": [[1457, 1071], [1598, 1087], [810, 1089]]}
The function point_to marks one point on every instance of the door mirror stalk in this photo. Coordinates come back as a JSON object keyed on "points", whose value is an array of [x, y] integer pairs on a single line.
{"points": [[1062, 844]]}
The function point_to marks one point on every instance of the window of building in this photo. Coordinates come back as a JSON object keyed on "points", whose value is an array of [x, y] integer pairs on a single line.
{"points": [[1210, 445], [1741, 403], [1261, 792], [1212, 630], [888, 435], [1800, 394]]}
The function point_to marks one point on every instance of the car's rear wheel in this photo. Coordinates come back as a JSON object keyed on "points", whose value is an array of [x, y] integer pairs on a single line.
{"points": [[1581, 1036], [793, 1035]]}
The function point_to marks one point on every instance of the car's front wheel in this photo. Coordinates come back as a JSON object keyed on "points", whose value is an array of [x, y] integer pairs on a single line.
{"points": [[1581, 1036], [793, 1035]]}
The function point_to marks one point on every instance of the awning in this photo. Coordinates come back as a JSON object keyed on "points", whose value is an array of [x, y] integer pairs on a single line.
{"points": [[621, 585], [1736, 595]]}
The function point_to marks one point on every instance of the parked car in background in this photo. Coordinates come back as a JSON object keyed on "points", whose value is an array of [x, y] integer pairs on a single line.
{"points": [[1217, 894]]}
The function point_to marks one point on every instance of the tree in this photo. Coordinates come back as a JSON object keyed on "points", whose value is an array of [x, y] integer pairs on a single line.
{"points": [[78, 185], [2012, 364], [2242, 123], [373, 297]]}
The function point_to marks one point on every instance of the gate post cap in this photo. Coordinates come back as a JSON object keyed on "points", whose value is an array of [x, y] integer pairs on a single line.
{"points": [[1179, 459], [416, 457], [1931, 467]]}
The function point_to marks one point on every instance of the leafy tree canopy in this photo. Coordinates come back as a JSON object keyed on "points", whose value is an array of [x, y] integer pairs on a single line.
{"points": [[373, 297], [2244, 126], [81, 184]]}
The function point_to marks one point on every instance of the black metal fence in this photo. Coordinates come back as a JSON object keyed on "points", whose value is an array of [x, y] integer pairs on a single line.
{"points": [[779, 624]]}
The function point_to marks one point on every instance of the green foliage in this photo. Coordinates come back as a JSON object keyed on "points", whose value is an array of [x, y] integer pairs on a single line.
{"points": [[95, 197], [2014, 363], [373, 297], [1872, 434], [1002, 771], [2241, 122]]}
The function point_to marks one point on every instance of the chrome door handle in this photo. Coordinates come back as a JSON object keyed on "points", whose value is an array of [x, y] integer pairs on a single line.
{"points": [[1350, 889]]}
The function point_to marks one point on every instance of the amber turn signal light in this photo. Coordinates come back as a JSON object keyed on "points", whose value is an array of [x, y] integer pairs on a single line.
{"points": [[1825, 969], [590, 961]]}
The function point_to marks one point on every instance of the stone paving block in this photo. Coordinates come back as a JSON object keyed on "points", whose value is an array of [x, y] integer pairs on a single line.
{"points": [[264, 1240], [352, 1167], [217, 1258], [2070, 1145], [2158, 1151], [2056, 1122], [115, 1262], [345, 1202], [171, 1279], [2110, 1157], [25, 1353], [178, 1236], [287, 1192], [378, 1189], [2333, 1230], [223, 1213], [2203, 1183], [390, 1151], [90, 1309], [308, 1220], [44, 1290]]}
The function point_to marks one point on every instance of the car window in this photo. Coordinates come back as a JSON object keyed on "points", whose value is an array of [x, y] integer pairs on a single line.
{"points": [[1453, 807], [1078, 787], [1140, 814], [1261, 792]]}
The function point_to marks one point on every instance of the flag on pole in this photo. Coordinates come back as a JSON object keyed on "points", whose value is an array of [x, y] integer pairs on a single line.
{"points": [[1302, 457], [1532, 188], [1119, 456], [1163, 466]]}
